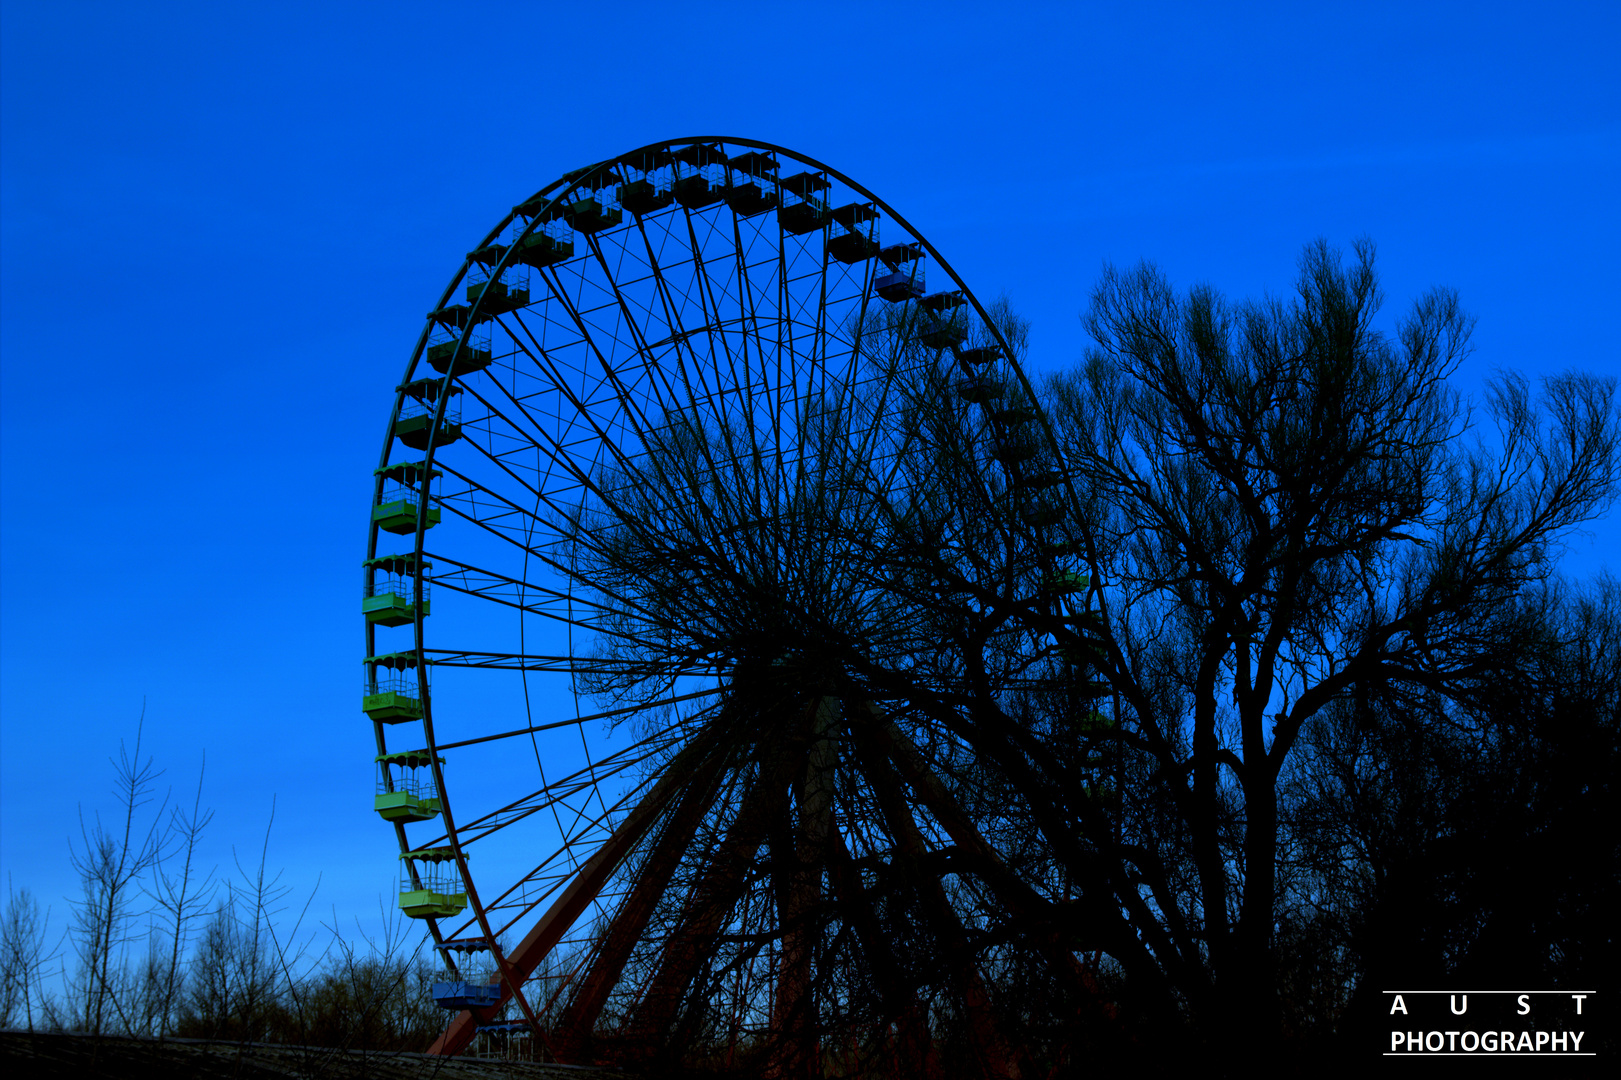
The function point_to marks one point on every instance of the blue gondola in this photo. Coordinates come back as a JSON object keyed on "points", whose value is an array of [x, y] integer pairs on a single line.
{"points": [[465, 995]]}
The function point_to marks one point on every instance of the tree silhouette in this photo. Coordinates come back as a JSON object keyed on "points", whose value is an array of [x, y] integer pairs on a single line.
{"points": [[1280, 518]]}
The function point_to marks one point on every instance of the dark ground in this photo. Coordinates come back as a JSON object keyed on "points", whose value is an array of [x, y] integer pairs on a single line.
{"points": [[84, 1057]]}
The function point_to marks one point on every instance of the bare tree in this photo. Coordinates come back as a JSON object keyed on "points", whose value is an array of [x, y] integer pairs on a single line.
{"points": [[23, 952], [230, 981], [241, 978], [110, 865], [1280, 515], [371, 996], [182, 898]]}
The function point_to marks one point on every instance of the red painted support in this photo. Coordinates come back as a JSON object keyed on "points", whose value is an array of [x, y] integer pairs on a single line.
{"points": [[712, 898], [573, 1032], [799, 894], [583, 889]]}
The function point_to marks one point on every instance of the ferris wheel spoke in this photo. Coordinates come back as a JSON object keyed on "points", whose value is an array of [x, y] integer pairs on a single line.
{"points": [[640, 337], [560, 796], [630, 466], [749, 323], [609, 376], [492, 659], [680, 336], [610, 714], [530, 552], [714, 321], [557, 792], [555, 452], [582, 834], [636, 332], [560, 789], [474, 581], [557, 447], [879, 486], [526, 437], [546, 883]]}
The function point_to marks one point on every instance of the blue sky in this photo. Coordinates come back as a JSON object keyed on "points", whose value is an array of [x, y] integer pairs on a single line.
{"points": [[220, 226]]}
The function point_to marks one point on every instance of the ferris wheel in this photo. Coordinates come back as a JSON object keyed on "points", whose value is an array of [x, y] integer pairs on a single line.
{"points": [[700, 464]]}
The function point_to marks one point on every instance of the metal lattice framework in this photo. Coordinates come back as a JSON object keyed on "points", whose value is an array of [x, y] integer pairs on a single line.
{"points": [[705, 482]]}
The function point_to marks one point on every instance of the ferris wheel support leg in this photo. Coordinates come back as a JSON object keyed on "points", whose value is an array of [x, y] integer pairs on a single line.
{"points": [[712, 898], [800, 893], [572, 1038], [579, 894]]}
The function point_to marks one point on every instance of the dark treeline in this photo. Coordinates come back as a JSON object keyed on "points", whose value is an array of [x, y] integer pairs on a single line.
{"points": [[1466, 843], [232, 985], [158, 947]]}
